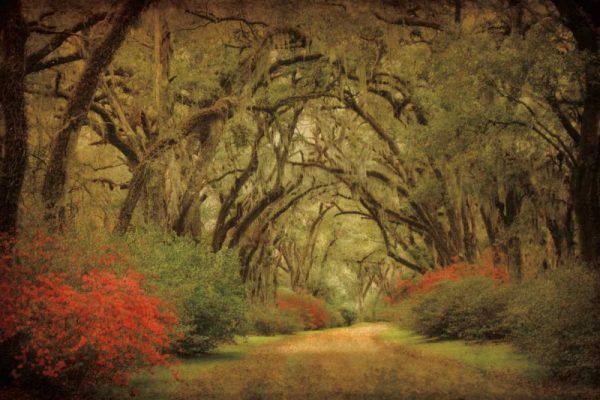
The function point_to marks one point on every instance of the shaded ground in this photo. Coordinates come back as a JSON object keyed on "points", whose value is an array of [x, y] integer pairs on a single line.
{"points": [[358, 363]]}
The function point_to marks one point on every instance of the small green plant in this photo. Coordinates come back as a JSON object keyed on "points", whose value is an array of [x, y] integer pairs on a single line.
{"points": [[348, 314]]}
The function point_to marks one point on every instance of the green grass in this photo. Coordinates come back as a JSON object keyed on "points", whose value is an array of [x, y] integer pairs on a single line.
{"points": [[494, 357], [160, 384]]}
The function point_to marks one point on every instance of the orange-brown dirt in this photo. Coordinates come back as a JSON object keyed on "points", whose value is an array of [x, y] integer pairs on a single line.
{"points": [[355, 363]]}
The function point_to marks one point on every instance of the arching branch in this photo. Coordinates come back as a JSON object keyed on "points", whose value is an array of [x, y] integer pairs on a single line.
{"points": [[410, 21], [32, 63]]}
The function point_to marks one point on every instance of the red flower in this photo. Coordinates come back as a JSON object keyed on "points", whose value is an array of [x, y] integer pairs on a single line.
{"points": [[310, 310], [106, 325], [454, 272]]}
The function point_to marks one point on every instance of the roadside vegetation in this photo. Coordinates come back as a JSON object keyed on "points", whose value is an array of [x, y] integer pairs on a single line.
{"points": [[553, 320]]}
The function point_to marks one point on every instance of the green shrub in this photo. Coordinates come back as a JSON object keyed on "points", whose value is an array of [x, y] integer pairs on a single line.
{"points": [[205, 287], [469, 309], [335, 317], [215, 311], [269, 321], [348, 314], [556, 320]]}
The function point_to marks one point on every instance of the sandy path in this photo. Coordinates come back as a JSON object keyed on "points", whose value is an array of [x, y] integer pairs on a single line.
{"points": [[353, 363]]}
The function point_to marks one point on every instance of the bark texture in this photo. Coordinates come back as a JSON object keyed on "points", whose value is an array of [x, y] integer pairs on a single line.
{"points": [[79, 104], [206, 124], [13, 145], [581, 17]]}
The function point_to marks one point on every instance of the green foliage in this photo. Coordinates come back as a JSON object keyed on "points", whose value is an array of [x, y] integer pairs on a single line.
{"points": [[556, 320], [348, 314], [205, 287], [216, 309], [336, 319], [493, 357], [470, 309], [271, 321]]}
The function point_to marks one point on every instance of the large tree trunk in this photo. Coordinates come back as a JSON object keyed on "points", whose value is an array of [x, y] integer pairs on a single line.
{"points": [[581, 18], [76, 114], [159, 197], [454, 236], [469, 232], [585, 189], [137, 184], [245, 223], [162, 52], [225, 222], [512, 246], [13, 148]]}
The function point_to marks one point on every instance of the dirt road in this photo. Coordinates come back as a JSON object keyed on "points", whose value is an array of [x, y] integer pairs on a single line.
{"points": [[354, 363]]}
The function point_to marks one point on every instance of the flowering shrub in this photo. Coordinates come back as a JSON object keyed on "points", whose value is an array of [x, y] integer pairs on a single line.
{"points": [[454, 272], [76, 330], [311, 311], [269, 321]]}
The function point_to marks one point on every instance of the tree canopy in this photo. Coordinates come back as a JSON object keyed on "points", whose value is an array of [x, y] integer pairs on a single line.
{"points": [[443, 129]]}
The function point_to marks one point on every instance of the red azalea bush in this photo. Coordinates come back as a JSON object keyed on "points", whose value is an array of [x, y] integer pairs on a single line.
{"points": [[310, 310], [454, 272], [269, 321], [75, 330], [461, 301], [472, 308]]}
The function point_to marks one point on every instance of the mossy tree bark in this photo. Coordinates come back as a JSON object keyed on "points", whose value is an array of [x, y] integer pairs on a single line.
{"points": [[77, 109], [13, 150], [206, 124], [581, 17]]}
